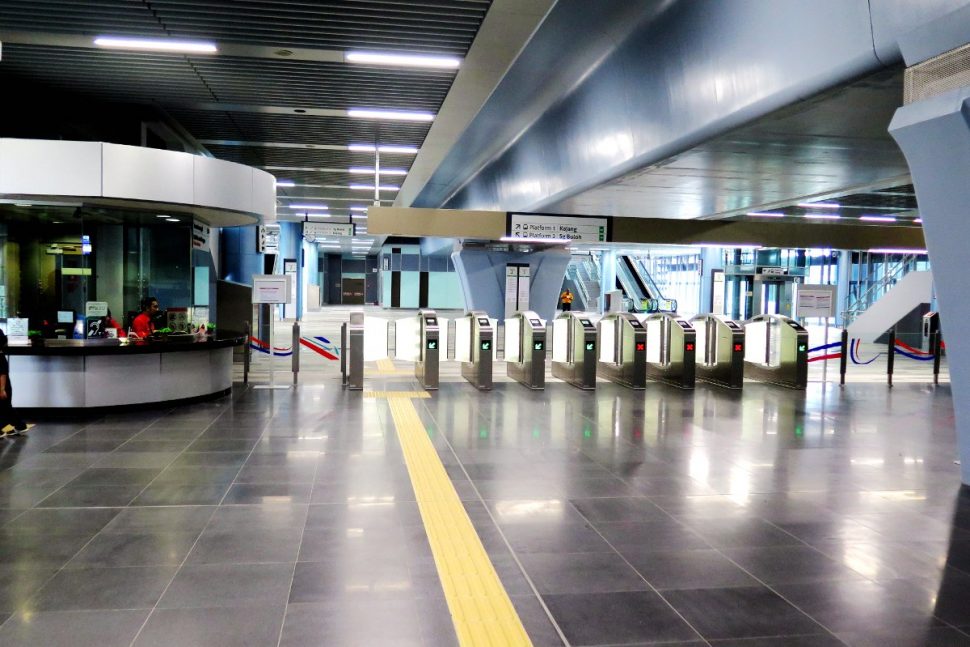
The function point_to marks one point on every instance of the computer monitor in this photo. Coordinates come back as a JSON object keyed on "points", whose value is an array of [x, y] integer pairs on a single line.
{"points": [[65, 316]]}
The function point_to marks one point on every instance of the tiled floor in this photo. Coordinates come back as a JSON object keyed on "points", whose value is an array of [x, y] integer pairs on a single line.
{"points": [[827, 517]]}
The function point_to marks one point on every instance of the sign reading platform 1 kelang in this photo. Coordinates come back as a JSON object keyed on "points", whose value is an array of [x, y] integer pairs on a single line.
{"points": [[579, 230]]}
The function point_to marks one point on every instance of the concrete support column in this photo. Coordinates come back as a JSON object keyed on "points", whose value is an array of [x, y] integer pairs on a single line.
{"points": [[934, 135], [482, 275]]}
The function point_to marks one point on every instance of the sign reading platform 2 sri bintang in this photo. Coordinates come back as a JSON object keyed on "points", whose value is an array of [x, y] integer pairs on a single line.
{"points": [[538, 227]]}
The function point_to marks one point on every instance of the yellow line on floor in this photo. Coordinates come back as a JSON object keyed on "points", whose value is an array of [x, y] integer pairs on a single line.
{"points": [[480, 607], [397, 394], [385, 366]]}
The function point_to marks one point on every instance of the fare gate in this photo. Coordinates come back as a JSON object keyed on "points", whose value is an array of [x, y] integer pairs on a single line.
{"points": [[719, 351], [426, 365], [623, 350], [671, 348], [477, 369], [574, 349], [352, 359], [525, 349], [776, 351]]}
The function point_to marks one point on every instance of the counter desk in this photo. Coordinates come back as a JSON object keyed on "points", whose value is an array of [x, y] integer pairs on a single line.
{"points": [[89, 374]]}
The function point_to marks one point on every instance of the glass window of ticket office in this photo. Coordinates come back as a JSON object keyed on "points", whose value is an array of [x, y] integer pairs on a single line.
{"points": [[55, 259]]}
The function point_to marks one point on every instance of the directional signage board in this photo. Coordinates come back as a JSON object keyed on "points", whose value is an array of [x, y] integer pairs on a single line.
{"points": [[815, 300], [580, 230], [315, 230]]}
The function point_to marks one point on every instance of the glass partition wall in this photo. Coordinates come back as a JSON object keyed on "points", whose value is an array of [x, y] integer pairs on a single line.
{"points": [[56, 258]]}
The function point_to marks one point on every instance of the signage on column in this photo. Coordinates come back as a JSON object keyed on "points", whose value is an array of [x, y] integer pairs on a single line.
{"points": [[268, 239], [563, 228], [717, 292], [516, 288]]}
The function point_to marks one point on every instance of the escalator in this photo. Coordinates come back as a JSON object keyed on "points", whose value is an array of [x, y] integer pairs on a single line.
{"points": [[633, 286]]}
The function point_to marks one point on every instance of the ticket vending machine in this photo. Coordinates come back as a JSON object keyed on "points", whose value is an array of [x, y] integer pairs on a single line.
{"points": [[623, 350], [525, 349], [776, 351], [671, 348], [719, 351], [426, 366], [478, 367], [574, 349]]}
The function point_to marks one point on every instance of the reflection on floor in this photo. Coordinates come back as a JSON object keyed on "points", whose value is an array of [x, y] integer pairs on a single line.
{"points": [[832, 516]]}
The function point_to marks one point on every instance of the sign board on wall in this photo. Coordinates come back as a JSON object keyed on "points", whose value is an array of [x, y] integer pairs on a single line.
{"points": [[268, 239], [580, 230], [96, 309], [272, 288], [815, 300], [516, 288], [200, 236], [313, 231]]}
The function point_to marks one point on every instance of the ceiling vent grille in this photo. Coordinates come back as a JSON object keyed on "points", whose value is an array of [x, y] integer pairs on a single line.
{"points": [[937, 75]]}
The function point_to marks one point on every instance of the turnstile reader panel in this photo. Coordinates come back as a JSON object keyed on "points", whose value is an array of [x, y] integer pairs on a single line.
{"points": [[574, 349], [426, 366], [525, 349]]}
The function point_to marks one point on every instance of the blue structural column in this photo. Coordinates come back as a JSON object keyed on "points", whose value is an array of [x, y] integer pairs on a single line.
{"points": [[240, 258], [934, 135], [482, 275]]}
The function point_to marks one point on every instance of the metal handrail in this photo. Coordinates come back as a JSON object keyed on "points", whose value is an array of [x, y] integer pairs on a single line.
{"points": [[878, 287]]}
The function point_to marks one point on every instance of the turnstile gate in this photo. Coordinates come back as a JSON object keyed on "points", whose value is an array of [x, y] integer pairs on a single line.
{"points": [[481, 339], [671, 346], [719, 351], [426, 366], [623, 350], [776, 351], [574, 349], [525, 349], [352, 357]]}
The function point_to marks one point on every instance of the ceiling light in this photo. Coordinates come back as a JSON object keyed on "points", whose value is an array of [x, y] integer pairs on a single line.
{"points": [[358, 217], [822, 216], [163, 215], [551, 241], [890, 250], [364, 209], [402, 60], [727, 245], [390, 115], [156, 44], [371, 187], [308, 206], [173, 220], [765, 214], [369, 148], [27, 204], [383, 171], [878, 218], [918, 221], [819, 205], [285, 183]]}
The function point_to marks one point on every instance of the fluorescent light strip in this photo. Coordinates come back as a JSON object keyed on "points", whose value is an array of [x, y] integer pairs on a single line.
{"points": [[890, 250], [551, 241], [765, 214], [369, 148], [727, 245], [819, 205], [384, 171], [156, 45], [918, 221], [402, 60], [358, 217], [285, 183], [371, 187], [311, 207], [390, 115], [878, 218], [364, 209], [822, 216]]}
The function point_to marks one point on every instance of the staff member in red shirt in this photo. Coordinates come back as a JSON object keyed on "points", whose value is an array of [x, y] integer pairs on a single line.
{"points": [[143, 326]]}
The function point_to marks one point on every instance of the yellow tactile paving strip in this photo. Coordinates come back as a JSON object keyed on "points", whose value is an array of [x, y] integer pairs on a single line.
{"points": [[397, 394], [480, 607], [386, 367]]}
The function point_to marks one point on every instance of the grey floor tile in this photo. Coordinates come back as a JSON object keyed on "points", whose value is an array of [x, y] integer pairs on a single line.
{"points": [[145, 549], [365, 620], [91, 496], [63, 521], [790, 565], [179, 495], [619, 509], [229, 585], [102, 588], [72, 628], [258, 517], [617, 618], [19, 581], [581, 573], [212, 627], [257, 493], [688, 569], [162, 519], [536, 621], [247, 546], [555, 538]]}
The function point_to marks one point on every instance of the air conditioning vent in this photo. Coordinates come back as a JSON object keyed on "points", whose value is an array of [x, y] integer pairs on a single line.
{"points": [[937, 75]]}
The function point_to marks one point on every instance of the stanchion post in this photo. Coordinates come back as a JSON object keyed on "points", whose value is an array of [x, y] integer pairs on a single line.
{"points": [[247, 350], [892, 355], [296, 351], [844, 360], [343, 353], [937, 347]]}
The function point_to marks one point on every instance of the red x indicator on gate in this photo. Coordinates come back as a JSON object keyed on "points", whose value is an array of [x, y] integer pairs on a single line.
{"points": [[641, 347], [738, 348]]}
